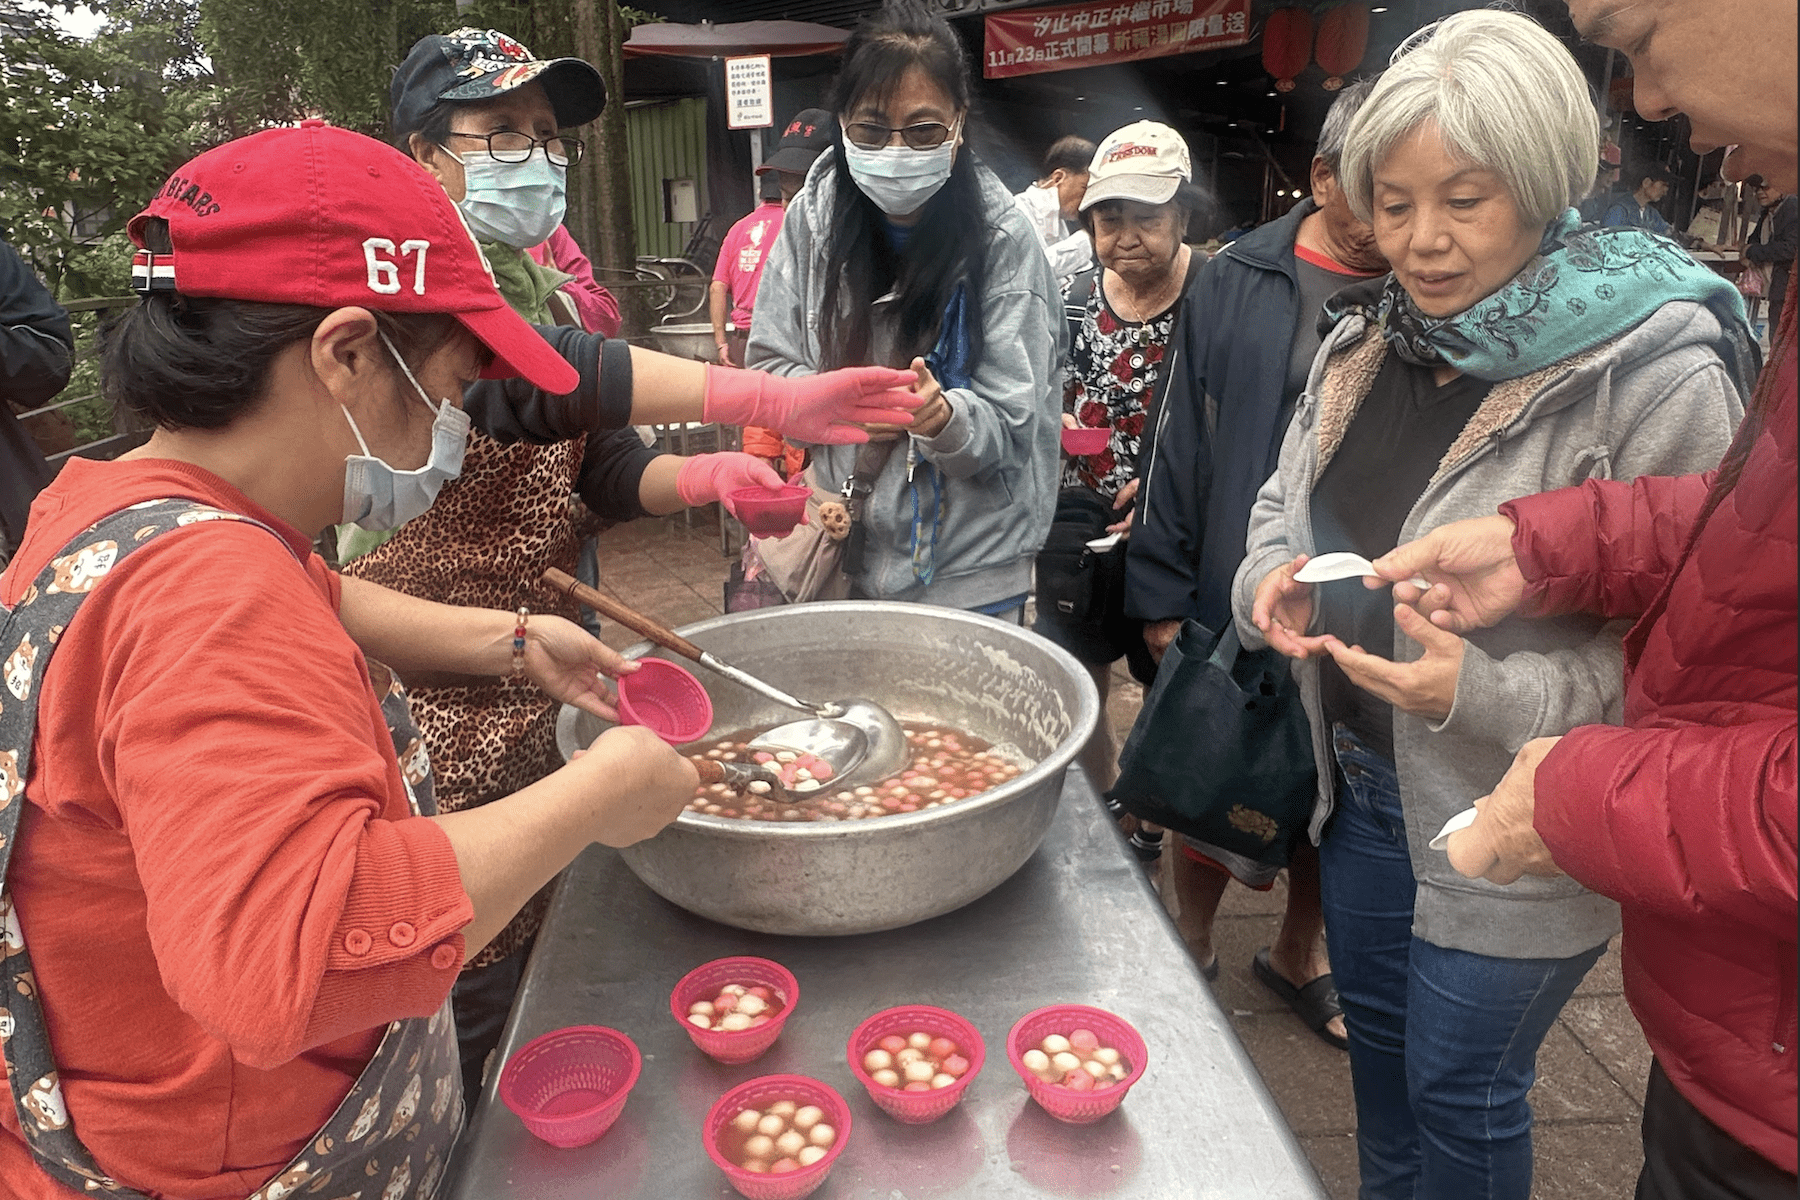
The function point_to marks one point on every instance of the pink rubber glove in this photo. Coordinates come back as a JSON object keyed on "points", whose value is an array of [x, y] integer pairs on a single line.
{"points": [[708, 477], [824, 408]]}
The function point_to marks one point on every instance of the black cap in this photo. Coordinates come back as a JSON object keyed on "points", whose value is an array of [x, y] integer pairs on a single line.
{"points": [[479, 64], [1653, 171], [1755, 183], [804, 139]]}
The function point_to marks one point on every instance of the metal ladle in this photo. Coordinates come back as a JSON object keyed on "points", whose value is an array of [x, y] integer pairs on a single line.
{"points": [[858, 738]]}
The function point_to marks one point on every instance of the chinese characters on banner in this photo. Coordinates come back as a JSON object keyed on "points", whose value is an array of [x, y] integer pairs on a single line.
{"points": [[747, 93], [1091, 35]]}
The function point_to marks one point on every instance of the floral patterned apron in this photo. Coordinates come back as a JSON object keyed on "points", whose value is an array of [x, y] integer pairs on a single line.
{"points": [[392, 1135]]}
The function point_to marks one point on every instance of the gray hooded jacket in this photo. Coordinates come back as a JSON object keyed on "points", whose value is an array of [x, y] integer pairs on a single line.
{"points": [[1654, 401], [999, 454]]}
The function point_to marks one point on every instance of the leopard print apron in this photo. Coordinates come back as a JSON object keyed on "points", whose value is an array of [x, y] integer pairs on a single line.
{"points": [[392, 1135], [484, 543]]}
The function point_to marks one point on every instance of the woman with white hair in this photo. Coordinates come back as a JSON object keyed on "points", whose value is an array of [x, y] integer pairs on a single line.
{"points": [[1508, 352]]}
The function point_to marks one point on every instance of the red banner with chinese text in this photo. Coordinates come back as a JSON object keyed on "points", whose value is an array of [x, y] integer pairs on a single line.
{"points": [[1091, 35]]}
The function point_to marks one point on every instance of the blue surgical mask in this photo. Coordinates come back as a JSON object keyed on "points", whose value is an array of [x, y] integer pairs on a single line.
{"points": [[899, 179], [379, 497], [516, 204]]}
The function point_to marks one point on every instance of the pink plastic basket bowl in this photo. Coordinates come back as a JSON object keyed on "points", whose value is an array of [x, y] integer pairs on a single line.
{"points": [[1085, 441], [704, 982], [769, 513], [766, 1089], [570, 1085], [916, 1108], [666, 699], [1071, 1107]]}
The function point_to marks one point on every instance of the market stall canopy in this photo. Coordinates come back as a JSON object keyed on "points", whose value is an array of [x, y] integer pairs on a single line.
{"points": [[778, 39]]}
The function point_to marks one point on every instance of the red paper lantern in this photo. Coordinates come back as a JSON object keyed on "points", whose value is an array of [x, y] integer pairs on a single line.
{"points": [[1287, 45], [1343, 38]]}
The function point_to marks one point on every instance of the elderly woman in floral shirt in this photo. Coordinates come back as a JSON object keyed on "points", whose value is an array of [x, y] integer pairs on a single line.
{"points": [[1137, 205]]}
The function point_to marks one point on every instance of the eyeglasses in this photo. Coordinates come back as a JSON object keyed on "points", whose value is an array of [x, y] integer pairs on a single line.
{"points": [[508, 146], [927, 135]]}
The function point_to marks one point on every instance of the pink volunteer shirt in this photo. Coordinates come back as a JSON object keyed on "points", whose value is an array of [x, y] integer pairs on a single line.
{"points": [[742, 255]]}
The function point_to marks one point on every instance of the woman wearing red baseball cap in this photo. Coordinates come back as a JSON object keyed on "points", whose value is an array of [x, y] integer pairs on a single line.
{"points": [[230, 919], [483, 117]]}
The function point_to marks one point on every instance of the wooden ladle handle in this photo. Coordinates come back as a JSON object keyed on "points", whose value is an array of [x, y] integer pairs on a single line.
{"points": [[631, 618]]}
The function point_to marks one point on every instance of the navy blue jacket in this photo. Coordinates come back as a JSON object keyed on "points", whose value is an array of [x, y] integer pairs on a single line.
{"points": [[1218, 433], [35, 359]]}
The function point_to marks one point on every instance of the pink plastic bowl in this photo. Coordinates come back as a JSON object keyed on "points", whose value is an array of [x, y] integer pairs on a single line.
{"points": [[704, 982], [570, 1085], [769, 513], [1071, 1107], [1085, 441], [766, 1089], [916, 1108], [666, 699]]}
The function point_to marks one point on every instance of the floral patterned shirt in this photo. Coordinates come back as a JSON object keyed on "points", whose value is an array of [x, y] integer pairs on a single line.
{"points": [[1113, 369]]}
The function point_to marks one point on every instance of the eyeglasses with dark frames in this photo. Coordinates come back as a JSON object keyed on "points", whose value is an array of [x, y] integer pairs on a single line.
{"points": [[926, 135], [509, 146]]}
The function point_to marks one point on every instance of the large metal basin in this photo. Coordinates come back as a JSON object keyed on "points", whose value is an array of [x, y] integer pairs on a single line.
{"points": [[997, 681]]}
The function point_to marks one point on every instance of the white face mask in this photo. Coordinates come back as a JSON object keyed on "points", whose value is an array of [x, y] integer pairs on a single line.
{"points": [[899, 179], [379, 497], [516, 204]]}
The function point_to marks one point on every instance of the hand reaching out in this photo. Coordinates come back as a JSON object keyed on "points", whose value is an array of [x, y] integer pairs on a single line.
{"points": [[1283, 610], [1475, 580]]}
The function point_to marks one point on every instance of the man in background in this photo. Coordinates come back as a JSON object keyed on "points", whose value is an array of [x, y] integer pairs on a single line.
{"points": [[1774, 242], [35, 357], [1606, 177], [1053, 203], [1639, 208]]}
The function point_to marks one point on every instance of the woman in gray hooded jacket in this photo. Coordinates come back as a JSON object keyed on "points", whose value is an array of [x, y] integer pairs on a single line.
{"points": [[903, 250], [1507, 354]]}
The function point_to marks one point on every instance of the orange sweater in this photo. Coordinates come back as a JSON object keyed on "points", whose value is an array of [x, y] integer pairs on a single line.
{"points": [[223, 891]]}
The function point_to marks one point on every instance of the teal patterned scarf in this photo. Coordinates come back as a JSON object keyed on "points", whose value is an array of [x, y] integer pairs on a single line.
{"points": [[1585, 287]]}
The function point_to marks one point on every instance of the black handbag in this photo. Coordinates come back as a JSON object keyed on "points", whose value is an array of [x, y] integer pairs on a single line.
{"points": [[1072, 580], [1221, 750]]}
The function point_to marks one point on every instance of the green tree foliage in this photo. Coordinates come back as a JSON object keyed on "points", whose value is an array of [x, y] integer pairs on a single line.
{"points": [[278, 61], [88, 131]]}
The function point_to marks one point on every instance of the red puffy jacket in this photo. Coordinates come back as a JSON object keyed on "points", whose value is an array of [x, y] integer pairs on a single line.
{"points": [[1686, 815]]}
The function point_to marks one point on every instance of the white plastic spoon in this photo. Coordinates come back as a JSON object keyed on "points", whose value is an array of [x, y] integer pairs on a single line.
{"points": [[1341, 564], [1460, 821]]}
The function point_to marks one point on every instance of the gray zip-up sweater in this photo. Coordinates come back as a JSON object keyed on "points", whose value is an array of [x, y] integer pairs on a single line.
{"points": [[1654, 401], [999, 454]]}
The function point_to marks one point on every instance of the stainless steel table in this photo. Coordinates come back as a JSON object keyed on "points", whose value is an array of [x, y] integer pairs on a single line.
{"points": [[1078, 923]]}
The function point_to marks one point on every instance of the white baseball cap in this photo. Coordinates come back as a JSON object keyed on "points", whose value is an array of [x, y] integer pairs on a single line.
{"points": [[1145, 161]]}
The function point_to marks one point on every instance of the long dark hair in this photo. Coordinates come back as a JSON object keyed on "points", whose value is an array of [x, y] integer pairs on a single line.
{"points": [[949, 242]]}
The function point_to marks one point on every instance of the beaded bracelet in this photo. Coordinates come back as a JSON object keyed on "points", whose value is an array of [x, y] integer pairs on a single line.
{"points": [[518, 649]]}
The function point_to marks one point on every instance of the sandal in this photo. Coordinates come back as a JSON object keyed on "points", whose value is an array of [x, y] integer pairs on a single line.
{"points": [[1315, 1003]]}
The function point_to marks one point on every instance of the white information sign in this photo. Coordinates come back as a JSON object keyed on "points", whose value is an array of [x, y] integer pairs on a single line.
{"points": [[747, 92]]}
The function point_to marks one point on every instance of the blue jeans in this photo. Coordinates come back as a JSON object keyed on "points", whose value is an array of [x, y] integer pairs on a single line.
{"points": [[1443, 1043]]}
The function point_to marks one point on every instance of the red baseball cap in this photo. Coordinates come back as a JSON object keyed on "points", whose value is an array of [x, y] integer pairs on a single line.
{"points": [[325, 217]]}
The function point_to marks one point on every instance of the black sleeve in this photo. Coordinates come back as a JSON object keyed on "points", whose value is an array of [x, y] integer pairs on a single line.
{"points": [[611, 468], [511, 410], [35, 340], [1162, 556], [1784, 238]]}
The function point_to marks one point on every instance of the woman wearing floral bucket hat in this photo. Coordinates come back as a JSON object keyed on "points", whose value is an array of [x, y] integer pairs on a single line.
{"points": [[485, 119]]}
